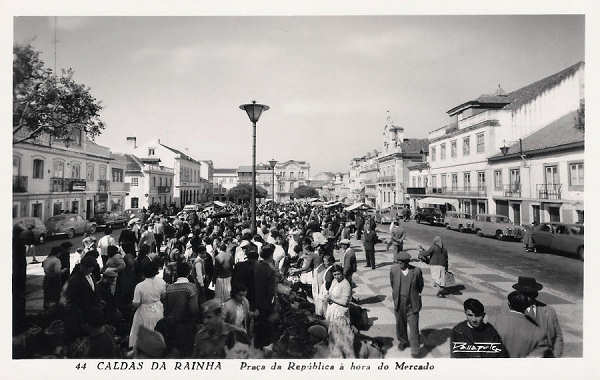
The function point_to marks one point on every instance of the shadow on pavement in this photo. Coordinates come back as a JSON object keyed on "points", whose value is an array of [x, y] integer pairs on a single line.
{"points": [[434, 337], [385, 342], [372, 299], [455, 290], [384, 264]]}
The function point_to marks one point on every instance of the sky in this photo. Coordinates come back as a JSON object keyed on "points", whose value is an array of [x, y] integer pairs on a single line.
{"points": [[328, 80]]}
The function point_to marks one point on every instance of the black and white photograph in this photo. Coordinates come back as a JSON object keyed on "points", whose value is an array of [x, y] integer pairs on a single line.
{"points": [[286, 187]]}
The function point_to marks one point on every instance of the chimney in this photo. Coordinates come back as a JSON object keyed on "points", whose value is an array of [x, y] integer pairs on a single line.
{"points": [[132, 142]]}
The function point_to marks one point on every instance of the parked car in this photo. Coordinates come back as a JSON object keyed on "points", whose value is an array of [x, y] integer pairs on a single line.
{"points": [[567, 238], [429, 215], [133, 212], [111, 218], [189, 208], [35, 224], [498, 226], [69, 225], [461, 221]]}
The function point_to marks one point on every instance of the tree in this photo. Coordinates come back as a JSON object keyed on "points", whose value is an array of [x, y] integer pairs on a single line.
{"points": [[44, 103], [305, 192], [243, 192]]}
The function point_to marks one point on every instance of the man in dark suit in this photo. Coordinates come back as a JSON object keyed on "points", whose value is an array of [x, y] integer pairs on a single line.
{"points": [[543, 315], [264, 292], [369, 241], [407, 285], [81, 297], [349, 260], [520, 335], [360, 224], [243, 273]]}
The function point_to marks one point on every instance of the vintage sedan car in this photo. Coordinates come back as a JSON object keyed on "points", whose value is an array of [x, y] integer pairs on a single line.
{"points": [[460, 221], [35, 225], [567, 238], [133, 213], [69, 225], [499, 226], [429, 215], [110, 218]]}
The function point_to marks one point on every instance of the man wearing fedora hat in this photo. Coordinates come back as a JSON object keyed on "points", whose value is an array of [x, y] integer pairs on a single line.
{"points": [[543, 315], [407, 285], [349, 259]]}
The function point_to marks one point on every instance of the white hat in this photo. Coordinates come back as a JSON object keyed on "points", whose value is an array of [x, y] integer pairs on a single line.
{"points": [[244, 243]]}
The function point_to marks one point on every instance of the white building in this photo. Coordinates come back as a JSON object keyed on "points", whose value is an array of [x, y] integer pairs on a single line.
{"points": [[193, 178], [50, 177], [289, 175], [223, 181], [459, 152], [149, 183]]}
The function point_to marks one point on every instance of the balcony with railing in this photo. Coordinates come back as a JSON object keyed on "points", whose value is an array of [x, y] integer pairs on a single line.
{"points": [[386, 178], [512, 190], [103, 186], [551, 191], [469, 191], [58, 185], [19, 184]]}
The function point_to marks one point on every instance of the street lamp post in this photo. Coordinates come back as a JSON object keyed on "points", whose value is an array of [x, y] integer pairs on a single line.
{"points": [[273, 162], [254, 111]]}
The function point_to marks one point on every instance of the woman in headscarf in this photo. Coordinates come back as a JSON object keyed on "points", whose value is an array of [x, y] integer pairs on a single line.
{"points": [[437, 257]]}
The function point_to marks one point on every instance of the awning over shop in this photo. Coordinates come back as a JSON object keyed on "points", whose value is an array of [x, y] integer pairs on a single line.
{"points": [[438, 201], [358, 206], [220, 204]]}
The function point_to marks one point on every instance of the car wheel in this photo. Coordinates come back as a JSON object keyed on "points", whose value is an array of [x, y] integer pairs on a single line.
{"points": [[499, 235], [70, 234], [580, 253], [479, 233], [93, 229], [42, 239]]}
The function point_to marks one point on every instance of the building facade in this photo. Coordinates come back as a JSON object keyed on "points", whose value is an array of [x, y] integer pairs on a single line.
{"points": [[51, 177], [289, 175], [264, 177], [193, 178], [460, 153], [150, 183], [223, 180]]}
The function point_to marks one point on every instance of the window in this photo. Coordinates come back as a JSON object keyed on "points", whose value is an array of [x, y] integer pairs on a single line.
{"points": [[89, 172], [102, 172], [153, 181], [134, 203], [467, 180], [292, 175], [160, 181], [434, 181], [75, 207], [453, 148], [38, 168], [59, 169], [481, 181], [16, 165], [498, 179], [480, 143], [466, 145], [551, 175], [576, 174], [443, 151], [414, 182], [150, 151], [117, 175], [433, 151], [56, 208], [134, 181], [515, 177], [444, 181], [281, 187], [420, 181], [75, 170], [36, 210], [454, 181]]}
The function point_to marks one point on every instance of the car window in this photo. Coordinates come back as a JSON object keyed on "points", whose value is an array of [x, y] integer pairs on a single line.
{"points": [[562, 230], [545, 228], [576, 230], [488, 218]]}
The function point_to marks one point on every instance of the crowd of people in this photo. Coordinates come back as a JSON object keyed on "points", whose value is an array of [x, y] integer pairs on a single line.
{"points": [[205, 285]]}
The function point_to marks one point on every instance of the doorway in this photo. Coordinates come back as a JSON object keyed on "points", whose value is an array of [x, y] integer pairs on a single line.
{"points": [[516, 207], [554, 214], [88, 209], [536, 214]]}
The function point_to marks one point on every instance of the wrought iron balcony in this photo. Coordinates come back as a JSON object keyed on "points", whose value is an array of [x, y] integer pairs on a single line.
{"points": [[58, 185], [19, 184], [475, 191], [103, 185], [549, 191], [512, 190], [386, 178]]}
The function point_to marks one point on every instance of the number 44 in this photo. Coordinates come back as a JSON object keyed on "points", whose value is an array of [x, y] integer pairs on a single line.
{"points": [[80, 366]]}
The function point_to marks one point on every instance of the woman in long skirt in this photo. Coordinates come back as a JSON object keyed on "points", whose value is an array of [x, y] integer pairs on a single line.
{"points": [[339, 296], [147, 300]]}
